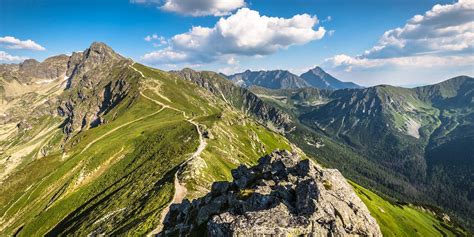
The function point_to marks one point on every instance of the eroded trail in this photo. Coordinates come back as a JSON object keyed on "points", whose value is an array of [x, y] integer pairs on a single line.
{"points": [[180, 190]]}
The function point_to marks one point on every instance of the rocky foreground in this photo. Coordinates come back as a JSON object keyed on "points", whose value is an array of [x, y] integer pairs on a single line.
{"points": [[281, 196]]}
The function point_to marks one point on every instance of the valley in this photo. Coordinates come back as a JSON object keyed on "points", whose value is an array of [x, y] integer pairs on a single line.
{"points": [[387, 138]]}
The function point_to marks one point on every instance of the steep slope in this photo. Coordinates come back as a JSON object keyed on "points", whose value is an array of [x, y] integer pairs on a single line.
{"points": [[146, 138], [293, 100], [117, 176], [276, 79], [318, 78], [240, 98], [28, 119], [406, 219], [334, 153]]}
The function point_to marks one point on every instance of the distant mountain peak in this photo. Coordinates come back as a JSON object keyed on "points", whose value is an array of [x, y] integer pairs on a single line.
{"points": [[318, 78], [317, 69]]}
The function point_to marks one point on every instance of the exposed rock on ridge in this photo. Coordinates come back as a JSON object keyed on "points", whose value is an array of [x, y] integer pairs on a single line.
{"points": [[281, 196], [98, 80]]}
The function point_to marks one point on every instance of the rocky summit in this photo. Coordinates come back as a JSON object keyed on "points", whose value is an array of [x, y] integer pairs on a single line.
{"points": [[282, 195]]}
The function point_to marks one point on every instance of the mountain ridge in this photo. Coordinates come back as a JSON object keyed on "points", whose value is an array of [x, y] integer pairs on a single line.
{"points": [[420, 135], [108, 161], [283, 79], [274, 79]]}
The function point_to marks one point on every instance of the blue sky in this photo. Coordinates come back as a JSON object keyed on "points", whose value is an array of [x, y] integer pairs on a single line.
{"points": [[346, 39]]}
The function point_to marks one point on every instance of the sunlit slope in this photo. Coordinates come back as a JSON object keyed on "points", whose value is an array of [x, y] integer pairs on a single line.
{"points": [[118, 177], [404, 220]]}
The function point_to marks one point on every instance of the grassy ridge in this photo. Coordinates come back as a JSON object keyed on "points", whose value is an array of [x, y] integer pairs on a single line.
{"points": [[116, 178]]}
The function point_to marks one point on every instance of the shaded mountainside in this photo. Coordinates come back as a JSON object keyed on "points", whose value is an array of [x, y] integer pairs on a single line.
{"points": [[318, 78], [96, 144], [412, 144]]}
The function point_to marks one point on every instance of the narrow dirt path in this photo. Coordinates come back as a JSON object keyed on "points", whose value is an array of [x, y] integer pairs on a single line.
{"points": [[180, 190], [163, 106]]}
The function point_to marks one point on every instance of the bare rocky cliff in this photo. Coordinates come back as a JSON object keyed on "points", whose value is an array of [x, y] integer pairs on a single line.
{"points": [[281, 196], [99, 79]]}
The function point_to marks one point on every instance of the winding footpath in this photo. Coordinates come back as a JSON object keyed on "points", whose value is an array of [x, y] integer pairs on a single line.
{"points": [[180, 190]]}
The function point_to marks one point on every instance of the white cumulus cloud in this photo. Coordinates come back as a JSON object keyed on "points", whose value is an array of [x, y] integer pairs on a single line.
{"points": [[196, 7], [442, 36], [11, 42], [244, 33], [6, 57], [203, 7], [158, 41]]}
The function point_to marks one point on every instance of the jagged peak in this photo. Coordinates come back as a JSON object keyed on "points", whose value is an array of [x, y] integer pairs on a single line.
{"points": [[102, 50], [187, 69], [28, 62], [317, 69], [99, 46]]}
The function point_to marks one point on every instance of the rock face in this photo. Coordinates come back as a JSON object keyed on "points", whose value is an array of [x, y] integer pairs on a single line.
{"points": [[31, 71], [82, 87], [99, 79], [281, 196]]}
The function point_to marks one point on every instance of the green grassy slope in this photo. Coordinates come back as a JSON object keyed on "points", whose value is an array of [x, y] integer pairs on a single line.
{"points": [[117, 178], [404, 220]]}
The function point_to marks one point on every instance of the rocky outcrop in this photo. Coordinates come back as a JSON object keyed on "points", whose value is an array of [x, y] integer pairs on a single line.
{"points": [[32, 71], [81, 88], [280, 196], [29, 90], [99, 79], [240, 98]]}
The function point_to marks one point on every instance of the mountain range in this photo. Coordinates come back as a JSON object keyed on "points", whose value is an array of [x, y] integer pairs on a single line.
{"points": [[97, 144], [411, 144], [281, 79]]}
